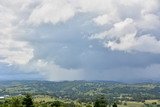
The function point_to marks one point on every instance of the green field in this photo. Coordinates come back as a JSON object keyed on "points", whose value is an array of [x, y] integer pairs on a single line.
{"points": [[84, 93]]}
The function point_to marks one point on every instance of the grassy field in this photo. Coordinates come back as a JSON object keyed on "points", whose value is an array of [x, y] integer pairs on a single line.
{"points": [[132, 104], [152, 101], [140, 104], [45, 98]]}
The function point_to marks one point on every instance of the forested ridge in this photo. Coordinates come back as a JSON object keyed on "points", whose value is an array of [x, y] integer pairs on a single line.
{"points": [[83, 90]]}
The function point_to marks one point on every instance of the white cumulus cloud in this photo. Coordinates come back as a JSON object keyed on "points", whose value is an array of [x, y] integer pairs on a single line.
{"points": [[124, 37], [12, 51], [123, 25], [52, 11], [105, 19], [131, 28]]}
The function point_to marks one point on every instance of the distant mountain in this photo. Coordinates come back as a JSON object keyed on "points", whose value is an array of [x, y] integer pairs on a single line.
{"points": [[83, 90]]}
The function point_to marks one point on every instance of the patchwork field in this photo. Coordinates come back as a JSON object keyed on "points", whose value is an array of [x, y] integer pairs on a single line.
{"points": [[84, 93]]}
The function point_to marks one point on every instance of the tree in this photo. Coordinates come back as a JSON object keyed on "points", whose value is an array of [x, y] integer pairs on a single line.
{"points": [[56, 104], [16, 102], [28, 101], [125, 103], [101, 102], [72, 104], [6, 103], [114, 105], [88, 105]]}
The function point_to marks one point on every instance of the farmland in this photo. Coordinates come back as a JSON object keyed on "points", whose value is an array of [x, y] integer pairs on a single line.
{"points": [[84, 92]]}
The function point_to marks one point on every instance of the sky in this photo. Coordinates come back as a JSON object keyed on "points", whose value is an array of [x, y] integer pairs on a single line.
{"points": [[114, 40]]}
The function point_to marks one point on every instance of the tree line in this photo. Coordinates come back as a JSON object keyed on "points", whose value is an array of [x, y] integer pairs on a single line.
{"points": [[28, 101]]}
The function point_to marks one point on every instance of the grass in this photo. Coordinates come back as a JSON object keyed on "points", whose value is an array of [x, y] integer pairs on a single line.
{"points": [[132, 104], [45, 98], [139, 104], [152, 101]]}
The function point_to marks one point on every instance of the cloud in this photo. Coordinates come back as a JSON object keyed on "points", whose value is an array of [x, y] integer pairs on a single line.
{"points": [[149, 73], [149, 21], [52, 71], [105, 19], [15, 52], [124, 35], [97, 6], [12, 51], [145, 43], [52, 11], [50, 38], [125, 30]]}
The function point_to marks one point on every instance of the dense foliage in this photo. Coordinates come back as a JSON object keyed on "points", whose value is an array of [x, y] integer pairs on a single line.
{"points": [[78, 94], [27, 101], [83, 90]]}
